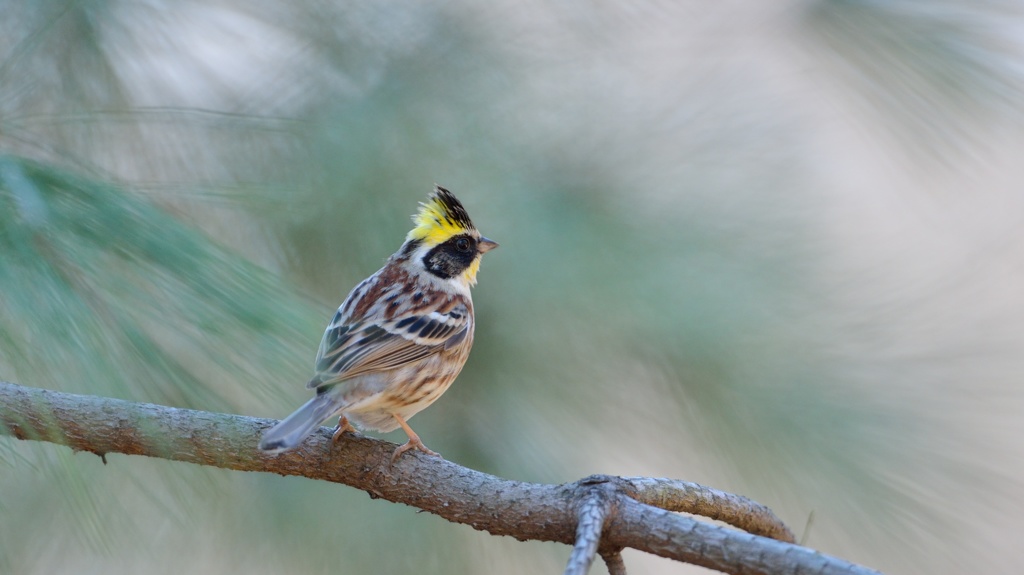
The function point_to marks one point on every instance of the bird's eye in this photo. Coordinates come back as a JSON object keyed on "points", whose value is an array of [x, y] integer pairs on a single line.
{"points": [[462, 244]]}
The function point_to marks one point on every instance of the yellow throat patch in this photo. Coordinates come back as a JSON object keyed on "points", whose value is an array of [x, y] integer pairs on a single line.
{"points": [[470, 274]]}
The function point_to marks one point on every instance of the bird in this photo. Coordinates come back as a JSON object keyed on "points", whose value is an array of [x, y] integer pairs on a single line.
{"points": [[400, 338]]}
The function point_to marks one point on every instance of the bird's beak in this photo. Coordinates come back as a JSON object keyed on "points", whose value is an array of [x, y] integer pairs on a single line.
{"points": [[485, 245]]}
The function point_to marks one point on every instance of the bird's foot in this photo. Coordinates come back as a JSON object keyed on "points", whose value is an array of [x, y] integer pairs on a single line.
{"points": [[343, 427], [413, 443]]}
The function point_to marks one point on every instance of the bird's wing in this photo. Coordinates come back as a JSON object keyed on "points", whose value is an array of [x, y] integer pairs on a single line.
{"points": [[351, 349]]}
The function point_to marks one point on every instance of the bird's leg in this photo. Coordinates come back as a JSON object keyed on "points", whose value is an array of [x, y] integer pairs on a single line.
{"points": [[413, 443], [343, 427]]}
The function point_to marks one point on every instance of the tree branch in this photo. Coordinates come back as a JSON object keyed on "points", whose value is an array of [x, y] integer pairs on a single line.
{"points": [[610, 513], [613, 560], [594, 508], [686, 497]]}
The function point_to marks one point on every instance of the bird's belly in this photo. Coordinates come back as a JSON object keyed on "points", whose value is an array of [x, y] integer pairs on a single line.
{"points": [[406, 392]]}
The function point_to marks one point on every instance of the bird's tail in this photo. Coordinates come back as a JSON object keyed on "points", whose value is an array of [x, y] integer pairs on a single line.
{"points": [[293, 429]]}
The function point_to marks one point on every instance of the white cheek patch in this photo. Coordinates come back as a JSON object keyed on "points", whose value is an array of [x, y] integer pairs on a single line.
{"points": [[418, 255]]}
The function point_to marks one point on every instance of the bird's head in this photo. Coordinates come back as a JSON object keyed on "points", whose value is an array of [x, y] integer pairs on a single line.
{"points": [[445, 239]]}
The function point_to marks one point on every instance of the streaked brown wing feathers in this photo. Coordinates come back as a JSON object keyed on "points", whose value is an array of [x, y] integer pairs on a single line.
{"points": [[350, 350]]}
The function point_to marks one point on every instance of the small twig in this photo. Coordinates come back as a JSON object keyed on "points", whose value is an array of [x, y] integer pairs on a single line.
{"points": [[807, 528], [685, 539], [593, 510], [686, 497], [613, 561]]}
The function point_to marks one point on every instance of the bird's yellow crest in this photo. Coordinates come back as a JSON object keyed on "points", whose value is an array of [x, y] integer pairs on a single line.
{"points": [[440, 217]]}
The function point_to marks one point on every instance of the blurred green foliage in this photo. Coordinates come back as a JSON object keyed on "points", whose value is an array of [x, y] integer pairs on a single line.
{"points": [[108, 294], [724, 258]]}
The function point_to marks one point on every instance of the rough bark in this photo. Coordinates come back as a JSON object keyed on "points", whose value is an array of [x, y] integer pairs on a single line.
{"points": [[598, 514]]}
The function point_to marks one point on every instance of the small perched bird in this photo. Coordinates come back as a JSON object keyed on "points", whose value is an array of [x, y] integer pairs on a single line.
{"points": [[401, 336]]}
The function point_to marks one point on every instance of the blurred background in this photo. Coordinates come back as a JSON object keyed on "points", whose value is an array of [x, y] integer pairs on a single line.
{"points": [[772, 247]]}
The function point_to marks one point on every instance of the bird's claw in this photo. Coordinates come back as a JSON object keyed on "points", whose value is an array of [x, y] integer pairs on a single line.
{"points": [[343, 427], [413, 443]]}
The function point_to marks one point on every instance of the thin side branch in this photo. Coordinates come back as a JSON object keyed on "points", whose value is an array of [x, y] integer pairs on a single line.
{"points": [[526, 511], [686, 497], [686, 539], [613, 561], [594, 508]]}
